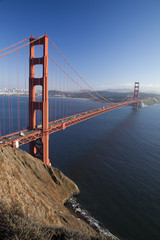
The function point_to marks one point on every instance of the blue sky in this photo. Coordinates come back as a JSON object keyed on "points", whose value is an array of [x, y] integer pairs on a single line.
{"points": [[111, 43]]}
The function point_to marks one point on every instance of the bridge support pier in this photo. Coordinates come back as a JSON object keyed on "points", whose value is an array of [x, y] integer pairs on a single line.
{"points": [[40, 147]]}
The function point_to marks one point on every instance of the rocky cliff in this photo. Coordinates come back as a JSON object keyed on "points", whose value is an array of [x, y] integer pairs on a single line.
{"points": [[32, 198]]}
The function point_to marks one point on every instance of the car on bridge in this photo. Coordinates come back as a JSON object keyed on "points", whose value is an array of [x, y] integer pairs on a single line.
{"points": [[21, 134], [39, 126]]}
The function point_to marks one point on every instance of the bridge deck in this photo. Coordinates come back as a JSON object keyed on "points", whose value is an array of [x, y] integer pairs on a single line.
{"points": [[57, 125]]}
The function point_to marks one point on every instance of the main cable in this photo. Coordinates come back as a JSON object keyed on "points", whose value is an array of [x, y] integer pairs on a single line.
{"points": [[14, 45], [22, 46], [74, 80], [106, 100]]}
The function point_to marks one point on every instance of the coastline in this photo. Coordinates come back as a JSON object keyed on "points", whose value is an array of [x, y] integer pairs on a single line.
{"points": [[76, 209], [40, 193]]}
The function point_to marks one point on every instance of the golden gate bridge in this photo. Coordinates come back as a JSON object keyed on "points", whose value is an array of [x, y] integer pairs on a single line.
{"points": [[52, 77]]}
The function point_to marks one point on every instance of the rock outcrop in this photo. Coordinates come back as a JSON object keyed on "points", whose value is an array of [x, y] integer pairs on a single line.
{"points": [[40, 192]]}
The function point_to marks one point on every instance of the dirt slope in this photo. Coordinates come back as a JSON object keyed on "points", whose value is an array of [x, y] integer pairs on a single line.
{"points": [[39, 191]]}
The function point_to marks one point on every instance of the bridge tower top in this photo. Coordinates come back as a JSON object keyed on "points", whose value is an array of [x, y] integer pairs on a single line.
{"points": [[136, 90]]}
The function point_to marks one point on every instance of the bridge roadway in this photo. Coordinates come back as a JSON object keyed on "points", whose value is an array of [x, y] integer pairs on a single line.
{"points": [[57, 125]]}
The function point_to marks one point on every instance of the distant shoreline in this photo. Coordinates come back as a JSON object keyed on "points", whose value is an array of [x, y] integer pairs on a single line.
{"points": [[147, 101]]}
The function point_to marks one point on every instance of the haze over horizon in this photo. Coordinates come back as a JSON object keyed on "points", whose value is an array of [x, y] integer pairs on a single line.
{"points": [[111, 44]]}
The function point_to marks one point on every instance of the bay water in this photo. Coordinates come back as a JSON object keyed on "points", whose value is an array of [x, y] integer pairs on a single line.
{"points": [[114, 159]]}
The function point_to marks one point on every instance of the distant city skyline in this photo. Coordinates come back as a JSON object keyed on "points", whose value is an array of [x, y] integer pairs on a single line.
{"points": [[111, 44], [118, 88]]}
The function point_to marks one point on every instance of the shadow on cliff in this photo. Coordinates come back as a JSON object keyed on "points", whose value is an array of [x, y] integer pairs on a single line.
{"points": [[14, 225]]}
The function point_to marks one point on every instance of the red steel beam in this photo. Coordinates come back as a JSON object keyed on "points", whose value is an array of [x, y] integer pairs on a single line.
{"points": [[61, 126]]}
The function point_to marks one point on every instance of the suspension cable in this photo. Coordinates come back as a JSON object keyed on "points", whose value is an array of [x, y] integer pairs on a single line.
{"points": [[14, 45], [106, 100], [22, 46], [74, 80]]}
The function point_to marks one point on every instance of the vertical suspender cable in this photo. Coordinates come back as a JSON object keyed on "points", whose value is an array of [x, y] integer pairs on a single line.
{"points": [[77, 98], [73, 95], [8, 96], [11, 93], [56, 90], [18, 112], [50, 87], [25, 93], [67, 99], [63, 89], [60, 93], [3, 101], [53, 85]]}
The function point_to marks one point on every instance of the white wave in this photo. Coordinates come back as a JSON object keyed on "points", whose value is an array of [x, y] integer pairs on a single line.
{"points": [[91, 220]]}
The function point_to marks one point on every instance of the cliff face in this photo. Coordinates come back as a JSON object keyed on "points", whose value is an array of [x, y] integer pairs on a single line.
{"points": [[38, 190]]}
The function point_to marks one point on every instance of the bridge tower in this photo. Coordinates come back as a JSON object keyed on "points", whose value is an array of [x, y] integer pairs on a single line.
{"points": [[39, 148], [136, 95]]}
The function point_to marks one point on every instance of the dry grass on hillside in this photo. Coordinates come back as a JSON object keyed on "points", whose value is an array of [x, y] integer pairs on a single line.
{"points": [[14, 225]]}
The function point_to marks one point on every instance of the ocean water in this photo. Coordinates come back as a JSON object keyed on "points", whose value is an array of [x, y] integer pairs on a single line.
{"points": [[114, 159]]}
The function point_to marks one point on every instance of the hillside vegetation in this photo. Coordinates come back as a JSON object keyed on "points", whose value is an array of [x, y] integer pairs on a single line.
{"points": [[32, 198]]}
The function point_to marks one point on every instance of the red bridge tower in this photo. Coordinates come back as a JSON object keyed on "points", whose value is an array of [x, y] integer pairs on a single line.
{"points": [[136, 95], [40, 147]]}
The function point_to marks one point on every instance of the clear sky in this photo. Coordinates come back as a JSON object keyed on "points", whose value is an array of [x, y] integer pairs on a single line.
{"points": [[111, 43]]}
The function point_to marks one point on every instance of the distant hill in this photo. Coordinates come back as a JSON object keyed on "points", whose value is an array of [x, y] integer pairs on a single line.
{"points": [[113, 96]]}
